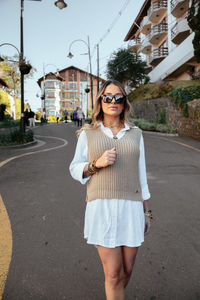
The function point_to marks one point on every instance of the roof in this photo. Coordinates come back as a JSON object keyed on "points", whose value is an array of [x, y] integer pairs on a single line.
{"points": [[142, 13], [63, 70]]}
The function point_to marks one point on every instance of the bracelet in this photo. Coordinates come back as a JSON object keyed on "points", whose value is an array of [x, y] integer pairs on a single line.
{"points": [[94, 165], [148, 214], [90, 169]]}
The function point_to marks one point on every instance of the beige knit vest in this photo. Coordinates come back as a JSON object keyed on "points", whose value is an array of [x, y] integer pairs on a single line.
{"points": [[120, 180]]}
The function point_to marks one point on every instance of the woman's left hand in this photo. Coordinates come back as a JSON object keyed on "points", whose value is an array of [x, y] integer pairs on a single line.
{"points": [[147, 224]]}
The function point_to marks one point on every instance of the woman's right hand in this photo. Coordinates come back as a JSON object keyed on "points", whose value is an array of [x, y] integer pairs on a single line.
{"points": [[107, 158]]}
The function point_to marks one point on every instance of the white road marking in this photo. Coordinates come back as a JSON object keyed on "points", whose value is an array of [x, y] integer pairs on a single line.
{"points": [[4, 162]]}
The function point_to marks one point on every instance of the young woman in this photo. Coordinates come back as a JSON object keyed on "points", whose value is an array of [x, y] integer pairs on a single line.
{"points": [[110, 158]]}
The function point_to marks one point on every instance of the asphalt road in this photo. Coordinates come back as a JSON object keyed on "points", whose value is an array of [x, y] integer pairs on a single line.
{"points": [[50, 258]]}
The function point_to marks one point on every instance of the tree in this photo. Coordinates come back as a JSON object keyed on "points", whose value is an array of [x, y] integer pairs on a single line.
{"points": [[9, 69], [126, 67], [194, 23]]}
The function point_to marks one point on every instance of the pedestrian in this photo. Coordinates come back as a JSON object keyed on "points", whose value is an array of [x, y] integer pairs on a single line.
{"points": [[32, 118], [79, 117], [65, 115], [26, 117], [75, 117], [57, 116], [110, 158]]}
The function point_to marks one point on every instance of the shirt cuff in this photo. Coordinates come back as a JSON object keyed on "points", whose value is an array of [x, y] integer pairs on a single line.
{"points": [[145, 193], [80, 173]]}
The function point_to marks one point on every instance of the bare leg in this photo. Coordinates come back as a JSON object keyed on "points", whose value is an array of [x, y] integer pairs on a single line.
{"points": [[112, 262], [129, 256]]}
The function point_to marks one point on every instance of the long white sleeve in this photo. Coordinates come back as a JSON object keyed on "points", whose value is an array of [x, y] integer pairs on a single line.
{"points": [[80, 159], [142, 171]]}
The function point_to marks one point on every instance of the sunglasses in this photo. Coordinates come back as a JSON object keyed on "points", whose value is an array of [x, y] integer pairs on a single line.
{"points": [[119, 99]]}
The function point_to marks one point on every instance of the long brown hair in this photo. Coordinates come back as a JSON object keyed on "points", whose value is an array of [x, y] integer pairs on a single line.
{"points": [[97, 114]]}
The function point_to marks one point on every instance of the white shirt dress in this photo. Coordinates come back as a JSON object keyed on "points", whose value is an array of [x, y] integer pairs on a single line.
{"points": [[112, 222]]}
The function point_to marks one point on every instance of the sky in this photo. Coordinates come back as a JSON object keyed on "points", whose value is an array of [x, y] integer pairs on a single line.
{"points": [[49, 31]]}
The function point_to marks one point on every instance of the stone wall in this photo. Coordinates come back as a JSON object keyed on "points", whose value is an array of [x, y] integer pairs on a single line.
{"points": [[150, 109], [153, 111], [189, 126]]}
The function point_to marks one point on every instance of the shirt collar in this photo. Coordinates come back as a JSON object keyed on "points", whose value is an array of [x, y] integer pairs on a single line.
{"points": [[127, 127]]}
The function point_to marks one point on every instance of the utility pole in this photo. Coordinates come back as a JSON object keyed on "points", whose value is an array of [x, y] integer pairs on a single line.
{"points": [[91, 81], [21, 59], [97, 68]]}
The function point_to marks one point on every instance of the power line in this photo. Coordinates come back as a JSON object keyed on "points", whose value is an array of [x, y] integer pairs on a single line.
{"points": [[112, 24]]}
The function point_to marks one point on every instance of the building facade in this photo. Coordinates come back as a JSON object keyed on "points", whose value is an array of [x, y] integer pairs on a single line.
{"points": [[66, 90], [161, 33]]}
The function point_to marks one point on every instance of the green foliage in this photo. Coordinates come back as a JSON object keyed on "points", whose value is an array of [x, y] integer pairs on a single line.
{"points": [[156, 90], [15, 137], [183, 95], [150, 126], [126, 67], [9, 71], [162, 117], [88, 120], [9, 123], [38, 115], [2, 111], [194, 23]]}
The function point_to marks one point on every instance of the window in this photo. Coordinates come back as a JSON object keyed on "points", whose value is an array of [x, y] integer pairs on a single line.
{"points": [[50, 95], [72, 95], [49, 84], [83, 76], [72, 85], [72, 75]]}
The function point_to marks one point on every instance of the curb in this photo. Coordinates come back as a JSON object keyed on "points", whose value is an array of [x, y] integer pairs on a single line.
{"points": [[160, 133], [20, 145]]}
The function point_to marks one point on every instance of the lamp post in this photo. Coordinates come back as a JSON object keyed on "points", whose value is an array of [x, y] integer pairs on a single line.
{"points": [[60, 4], [70, 55]]}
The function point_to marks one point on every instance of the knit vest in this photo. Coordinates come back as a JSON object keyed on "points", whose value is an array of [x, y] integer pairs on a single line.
{"points": [[120, 180]]}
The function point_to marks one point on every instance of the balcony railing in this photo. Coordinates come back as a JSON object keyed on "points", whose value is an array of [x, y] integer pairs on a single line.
{"points": [[157, 11], [180, 31], [134, 45], [145, 25], [179, 7], [158, 55], [158, 33]]}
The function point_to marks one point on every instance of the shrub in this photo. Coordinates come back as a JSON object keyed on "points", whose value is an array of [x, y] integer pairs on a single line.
{"points": [[52, 119], [182, 96], [15, 137], [150, 126]]}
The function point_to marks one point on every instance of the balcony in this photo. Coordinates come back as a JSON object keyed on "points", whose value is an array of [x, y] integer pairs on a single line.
{"points": [[134, 45], [158, 55], [146, 47], [157, 11], [180, 31], [158, 34], [145, 25], [179, 7]]}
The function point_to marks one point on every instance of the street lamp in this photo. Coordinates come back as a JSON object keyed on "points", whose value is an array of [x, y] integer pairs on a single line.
{"points": [[70, 55], [60, 4]]}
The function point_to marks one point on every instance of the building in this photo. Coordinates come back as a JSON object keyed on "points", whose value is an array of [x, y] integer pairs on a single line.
{"points": [[66, 90], [161, 33]]}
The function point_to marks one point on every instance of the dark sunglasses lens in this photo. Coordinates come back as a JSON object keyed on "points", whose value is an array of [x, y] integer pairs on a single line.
{"points": [[120, 98], [107, 98]]}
